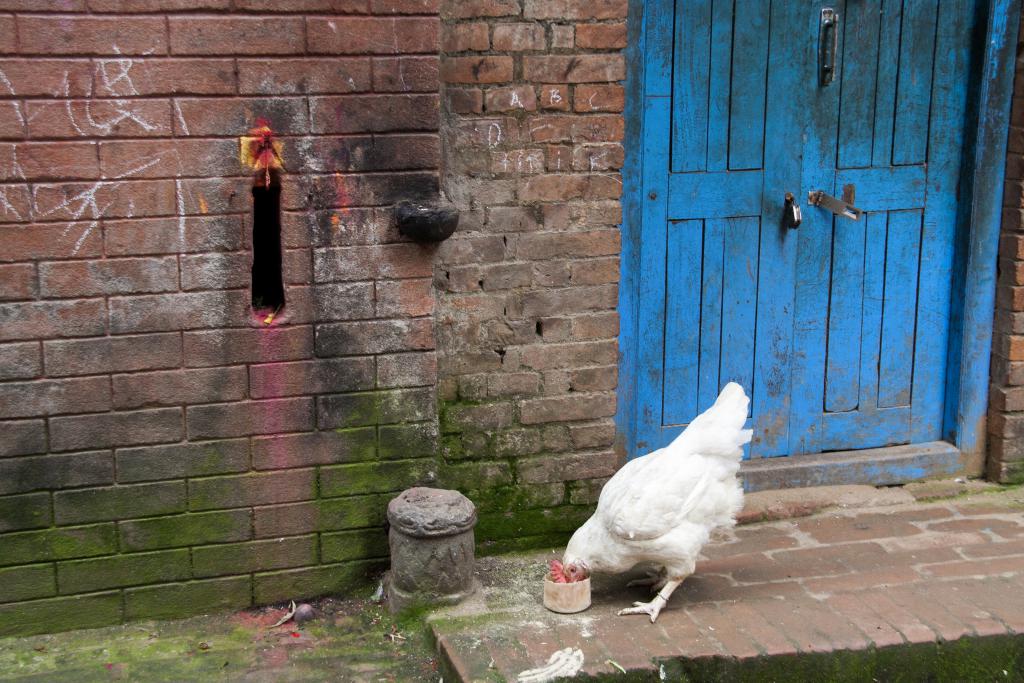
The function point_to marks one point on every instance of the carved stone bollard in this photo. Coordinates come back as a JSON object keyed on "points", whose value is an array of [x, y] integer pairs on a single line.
{"points": [[431, 542]]}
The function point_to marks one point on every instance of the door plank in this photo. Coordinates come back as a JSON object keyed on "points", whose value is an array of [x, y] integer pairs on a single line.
{"points": [[715, 195], [690, 85], [914, 84], [720, 85], [899, 308], [739, 301], [885, 88], [860, 68], [709, 381], [885, 189], [875, 227], [845, 313], [857, 429], [749, 64], [682, 320]]}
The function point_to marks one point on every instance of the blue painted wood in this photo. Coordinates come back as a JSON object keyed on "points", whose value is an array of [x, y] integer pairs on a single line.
{"points": [[690, 85], [739, 301], [785, 323], [715, 195], [899, 309], [885, 86], [749, 64], [857, 108], [682, 321], [914, 81], [888, 188], [845, 314], [720, 85], [709, 381], [971, 364]]}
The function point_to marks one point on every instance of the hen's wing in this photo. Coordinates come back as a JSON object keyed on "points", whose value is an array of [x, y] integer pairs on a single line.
{"points": [[653, 495]]}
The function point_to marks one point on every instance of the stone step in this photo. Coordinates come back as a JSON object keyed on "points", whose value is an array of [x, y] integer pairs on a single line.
{"points": [[911, 592]]}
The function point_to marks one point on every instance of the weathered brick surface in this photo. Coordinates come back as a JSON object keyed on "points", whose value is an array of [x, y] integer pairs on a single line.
{"points": [[150, 422], [1006, 395]]}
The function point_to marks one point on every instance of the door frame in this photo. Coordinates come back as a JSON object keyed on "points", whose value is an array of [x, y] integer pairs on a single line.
{"points": [[967, 374]]}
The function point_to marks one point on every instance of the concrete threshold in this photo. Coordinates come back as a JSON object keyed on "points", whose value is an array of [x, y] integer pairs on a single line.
{"points": [[909, 591]]}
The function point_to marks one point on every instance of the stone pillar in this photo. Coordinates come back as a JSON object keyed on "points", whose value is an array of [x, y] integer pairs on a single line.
{"points": [[432, 547]]}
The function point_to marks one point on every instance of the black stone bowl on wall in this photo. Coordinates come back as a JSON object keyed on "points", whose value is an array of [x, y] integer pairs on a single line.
{"points": [[432, 221]]}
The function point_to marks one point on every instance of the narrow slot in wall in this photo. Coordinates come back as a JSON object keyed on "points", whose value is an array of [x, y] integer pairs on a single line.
{"points": [[267, 276]]}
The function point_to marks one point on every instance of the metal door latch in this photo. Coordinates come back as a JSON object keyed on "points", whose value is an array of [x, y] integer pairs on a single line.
{"points": [[837, 206], [791, 216]]}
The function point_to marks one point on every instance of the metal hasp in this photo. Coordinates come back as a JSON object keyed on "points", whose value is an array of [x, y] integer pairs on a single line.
{"points": [[837, 206], [791, 214], [828, 41]]}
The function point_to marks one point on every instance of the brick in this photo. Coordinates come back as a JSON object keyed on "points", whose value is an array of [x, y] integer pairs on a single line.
{"points": [[179, 599], [353, 545], [601, 36], [331, 579], [27, 583], [574, 69], [576, 244], [54, 397], [118, 502], [80, 611], [372, 408], [419, 440], [110, 276], [20, 361], [249, 35], [471, 9], [22, 437], [40, 77], [121, 159], [98, 118], [554, 96], [29, 511], [92, 35], [467, 37], [374, 113], [15, 206], [519, 37], [40, 241], [376, 35], [596, 98], [311, 377], [251, 417], [251, 489], [520, 97], [184, 460], [563, 409], [183, 530], [317, 448], [180, 311], [234, 116], [549, 188], [318, 76], [104, 430], [384, 477], [489, 69], [406, 74], [327, 514], [227, 347], [156, 5], [55, 471], [465, 100], [575, 9], [112, 354], [374, 336], [179, 387], [80, 318], [360, 263], [57, 544], [339, 6], [17, 282], [83, 576], [254, 556]]}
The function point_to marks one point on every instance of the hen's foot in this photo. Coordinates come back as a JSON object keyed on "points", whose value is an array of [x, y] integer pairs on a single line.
{"points": [[652, 608], [655, 579]]}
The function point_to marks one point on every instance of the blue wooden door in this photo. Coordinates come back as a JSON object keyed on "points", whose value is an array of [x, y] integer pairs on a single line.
{"points": [[838, 329]]}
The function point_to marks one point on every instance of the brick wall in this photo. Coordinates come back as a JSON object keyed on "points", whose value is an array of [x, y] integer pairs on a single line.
{"points": [[527, 289], [1006, 399], [162, 450]]}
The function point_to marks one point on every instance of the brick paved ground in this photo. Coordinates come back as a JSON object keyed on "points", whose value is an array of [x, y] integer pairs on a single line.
{"points": [[859, 581]]}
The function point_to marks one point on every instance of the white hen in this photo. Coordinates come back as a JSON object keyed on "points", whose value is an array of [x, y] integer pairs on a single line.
{"points": [[660, 509]]}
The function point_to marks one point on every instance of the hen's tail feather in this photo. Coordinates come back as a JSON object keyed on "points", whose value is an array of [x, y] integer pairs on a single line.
{"points": [[718, 431]]}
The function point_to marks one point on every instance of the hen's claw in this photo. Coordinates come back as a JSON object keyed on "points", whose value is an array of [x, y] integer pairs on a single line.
{"points": [[652, 608]]}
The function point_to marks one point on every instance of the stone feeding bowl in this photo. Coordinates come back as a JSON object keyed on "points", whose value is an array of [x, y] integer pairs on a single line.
{"points": [[567, 598]]}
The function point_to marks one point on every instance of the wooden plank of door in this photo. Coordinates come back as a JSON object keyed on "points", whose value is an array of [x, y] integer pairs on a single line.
{"points": [[711, 313], [682, 321], [857, 106], [845, 314], [690, 85], [749, 71], [739, 301], [899, 309], [885, 87], [914, 83]]}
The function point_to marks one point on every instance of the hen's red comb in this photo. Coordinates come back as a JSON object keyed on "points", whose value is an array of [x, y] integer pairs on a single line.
{"points": [[557, 573]]}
